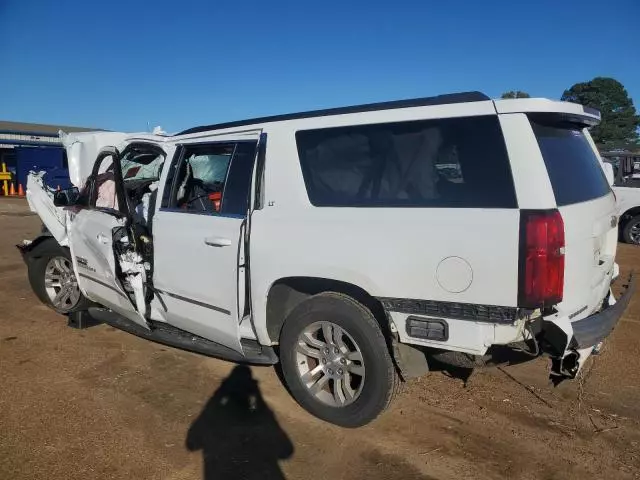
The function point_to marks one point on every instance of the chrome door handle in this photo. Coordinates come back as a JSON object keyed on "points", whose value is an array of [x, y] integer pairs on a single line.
{"points": [[217, 242], [102, 238]]}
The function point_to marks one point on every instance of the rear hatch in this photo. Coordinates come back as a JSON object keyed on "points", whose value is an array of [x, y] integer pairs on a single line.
{"points": [[588, 208]]}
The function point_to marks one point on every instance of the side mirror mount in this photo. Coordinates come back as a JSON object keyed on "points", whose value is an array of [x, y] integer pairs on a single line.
{"points": [[609, 173]]}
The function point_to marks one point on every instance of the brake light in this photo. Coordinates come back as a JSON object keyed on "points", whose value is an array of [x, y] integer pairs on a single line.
{"points": [[542, 246]]}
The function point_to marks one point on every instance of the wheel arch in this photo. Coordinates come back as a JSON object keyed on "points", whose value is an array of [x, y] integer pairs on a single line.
{"points": [[29, 250], [288, 292], [628, 214]]}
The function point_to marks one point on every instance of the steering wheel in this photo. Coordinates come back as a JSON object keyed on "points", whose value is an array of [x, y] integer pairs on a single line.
{"points": [[189, 202]]}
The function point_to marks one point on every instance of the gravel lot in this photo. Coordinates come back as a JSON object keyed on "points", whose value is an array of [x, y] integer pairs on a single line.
{"points": [[99, 403]]}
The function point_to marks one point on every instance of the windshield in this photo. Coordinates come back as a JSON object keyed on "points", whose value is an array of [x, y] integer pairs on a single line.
{"points": [[138, 164]]}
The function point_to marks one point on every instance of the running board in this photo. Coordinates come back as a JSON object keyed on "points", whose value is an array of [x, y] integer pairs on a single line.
{"points": [[166, 334]]}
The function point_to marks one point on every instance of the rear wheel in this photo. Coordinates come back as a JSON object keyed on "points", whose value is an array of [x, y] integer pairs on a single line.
{"points": [[631, 231], [52, 278], [336, 362]]}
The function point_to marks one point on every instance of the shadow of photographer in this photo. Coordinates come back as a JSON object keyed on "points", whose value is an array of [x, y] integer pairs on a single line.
{"points": [[238, 433]]}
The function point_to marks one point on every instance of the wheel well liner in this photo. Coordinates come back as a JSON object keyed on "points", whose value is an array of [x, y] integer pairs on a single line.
{"points": [[26, 249], [287, 293]]}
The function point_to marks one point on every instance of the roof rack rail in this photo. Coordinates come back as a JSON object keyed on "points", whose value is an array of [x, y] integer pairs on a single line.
{"points": [[463, 97]]}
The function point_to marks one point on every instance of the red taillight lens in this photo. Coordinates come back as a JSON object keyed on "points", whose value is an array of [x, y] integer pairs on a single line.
{"points": [[542, 259]]}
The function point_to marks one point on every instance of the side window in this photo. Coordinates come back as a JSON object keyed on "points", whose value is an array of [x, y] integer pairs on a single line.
{"points": [[214, 178], [104, 186], [446, 163]]}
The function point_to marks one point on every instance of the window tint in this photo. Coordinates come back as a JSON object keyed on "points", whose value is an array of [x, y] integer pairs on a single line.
{"points": [[458, 162], [573, 167], [215, 178]]}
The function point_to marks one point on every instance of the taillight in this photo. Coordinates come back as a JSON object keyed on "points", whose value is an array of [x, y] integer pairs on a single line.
{"points": [[541, 258]]}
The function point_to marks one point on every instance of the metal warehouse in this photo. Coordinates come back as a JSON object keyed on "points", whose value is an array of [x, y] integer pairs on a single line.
{"points": [[31, 146]]}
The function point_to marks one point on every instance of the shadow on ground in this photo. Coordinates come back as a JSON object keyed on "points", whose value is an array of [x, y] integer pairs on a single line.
{"points": [[497, 356], [238, 434]]}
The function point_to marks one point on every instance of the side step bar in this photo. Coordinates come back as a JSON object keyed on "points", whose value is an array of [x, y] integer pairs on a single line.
{"points": [[165, 334]]}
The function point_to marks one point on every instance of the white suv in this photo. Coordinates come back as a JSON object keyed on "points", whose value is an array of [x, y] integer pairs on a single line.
{"points": [[352, 245]]}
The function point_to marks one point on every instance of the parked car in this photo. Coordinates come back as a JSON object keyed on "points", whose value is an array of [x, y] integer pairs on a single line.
{"points": [[625, 188], [352, 245]]}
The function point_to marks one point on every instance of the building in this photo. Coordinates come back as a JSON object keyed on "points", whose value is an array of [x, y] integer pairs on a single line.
{"points": [[32, 146]]}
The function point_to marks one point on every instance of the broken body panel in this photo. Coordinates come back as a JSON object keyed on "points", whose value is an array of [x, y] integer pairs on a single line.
{"points": [[122, 266], [109, 268]]}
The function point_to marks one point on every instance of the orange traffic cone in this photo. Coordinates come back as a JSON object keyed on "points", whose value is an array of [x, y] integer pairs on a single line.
{"points": [[12, 190], [20, 190]]}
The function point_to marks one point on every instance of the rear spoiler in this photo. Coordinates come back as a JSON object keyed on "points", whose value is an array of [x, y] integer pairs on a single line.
{"points": [[571, 111]]}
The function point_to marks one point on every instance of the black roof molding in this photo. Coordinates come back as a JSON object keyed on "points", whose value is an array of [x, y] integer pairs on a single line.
{"points": [[464, 97]]}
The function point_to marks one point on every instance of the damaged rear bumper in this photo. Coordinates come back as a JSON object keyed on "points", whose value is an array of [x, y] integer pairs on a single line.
{"points": [[570, 343], [595, 328]]}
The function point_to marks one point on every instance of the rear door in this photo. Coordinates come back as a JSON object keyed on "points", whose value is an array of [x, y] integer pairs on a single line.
{"points": [[585, 200], [199, 236]]}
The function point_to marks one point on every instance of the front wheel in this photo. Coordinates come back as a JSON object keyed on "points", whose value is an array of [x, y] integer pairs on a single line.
{"points": [[335, 360], [631, 231], [52, 278]]}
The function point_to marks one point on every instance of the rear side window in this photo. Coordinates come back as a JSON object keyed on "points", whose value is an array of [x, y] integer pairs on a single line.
{"points": [[573, 167], [456, 163]]}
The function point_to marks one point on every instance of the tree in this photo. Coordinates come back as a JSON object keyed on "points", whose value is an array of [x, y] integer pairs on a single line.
{"points": [[619, 122], [516, 94]]}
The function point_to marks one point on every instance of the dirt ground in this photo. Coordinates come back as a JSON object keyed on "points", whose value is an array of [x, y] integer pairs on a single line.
{"points": [[99, 403]]}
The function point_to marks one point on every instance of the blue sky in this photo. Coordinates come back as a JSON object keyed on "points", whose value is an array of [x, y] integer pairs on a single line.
{"points": [[122, 65]]}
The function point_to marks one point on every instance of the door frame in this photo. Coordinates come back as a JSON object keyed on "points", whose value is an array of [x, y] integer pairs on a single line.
{"points": [[168, 192]]}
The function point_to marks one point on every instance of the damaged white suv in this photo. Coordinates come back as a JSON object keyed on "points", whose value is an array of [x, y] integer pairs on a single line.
{"points": [[352, 245]]}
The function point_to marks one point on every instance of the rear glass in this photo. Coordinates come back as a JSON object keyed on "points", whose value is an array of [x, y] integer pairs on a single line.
{"points": [[573, 167], [448, 163]]}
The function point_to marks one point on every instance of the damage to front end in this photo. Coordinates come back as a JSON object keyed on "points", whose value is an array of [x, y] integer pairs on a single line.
{"points": [[128, 254], [82, 149], [40, 198]]}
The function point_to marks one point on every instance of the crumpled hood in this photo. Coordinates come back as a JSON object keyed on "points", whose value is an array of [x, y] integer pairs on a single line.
{"points": [[82, 151]]}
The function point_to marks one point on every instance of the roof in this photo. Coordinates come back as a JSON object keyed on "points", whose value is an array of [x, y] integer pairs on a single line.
{"points": [[369, 107], [39, 128]]}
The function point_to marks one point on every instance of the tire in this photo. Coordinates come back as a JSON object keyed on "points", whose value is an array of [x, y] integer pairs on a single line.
{"points": [[366, 387], [631, 231], [39, 260]]}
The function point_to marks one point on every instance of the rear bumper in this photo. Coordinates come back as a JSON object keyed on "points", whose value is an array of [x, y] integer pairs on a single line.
{"points": [[595, 328], [569, 344]]}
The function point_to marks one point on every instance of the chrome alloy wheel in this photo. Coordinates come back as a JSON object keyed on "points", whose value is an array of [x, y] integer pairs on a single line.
{"points": [[330, 364], [61, 284]]}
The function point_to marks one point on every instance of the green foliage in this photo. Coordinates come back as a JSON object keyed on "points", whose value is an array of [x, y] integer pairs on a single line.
{"points": [[619, 120], [516, 94]]}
